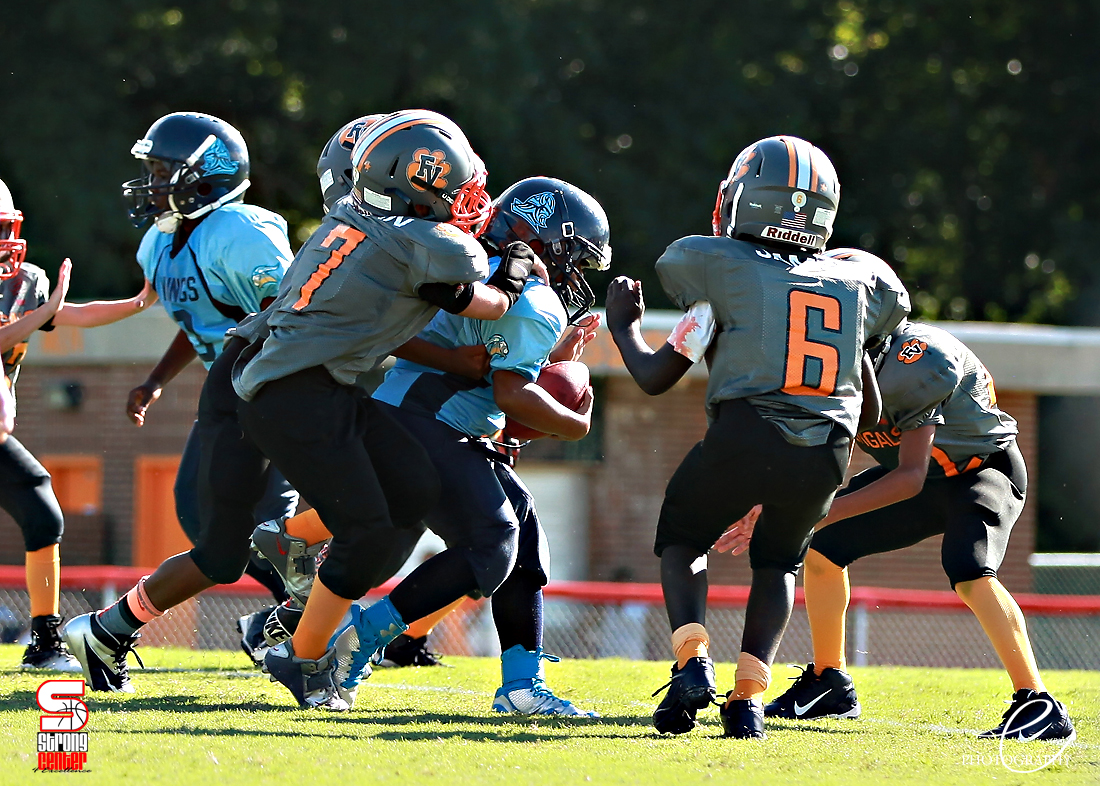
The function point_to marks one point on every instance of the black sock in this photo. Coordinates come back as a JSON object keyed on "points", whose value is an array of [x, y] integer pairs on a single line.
{"points": [[436, 583], [517, 611], [771, 601], [685, 590]]}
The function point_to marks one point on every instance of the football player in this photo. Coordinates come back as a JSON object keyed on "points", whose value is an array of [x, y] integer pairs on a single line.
{"points": [[383, 262], [784, 331], [212, 259], [27, 305], [334, 173], [487, 516], [948, 465]]}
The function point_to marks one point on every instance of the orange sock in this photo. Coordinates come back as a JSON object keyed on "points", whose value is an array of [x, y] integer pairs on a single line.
{"points": [[424, 625], [43, 578], [1003, 622], [751, 678], [690, 641], [323, 613], [827, 596], [307, 526]]}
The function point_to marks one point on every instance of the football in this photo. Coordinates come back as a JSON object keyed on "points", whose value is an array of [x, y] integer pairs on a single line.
{"points": [[566, 381]]}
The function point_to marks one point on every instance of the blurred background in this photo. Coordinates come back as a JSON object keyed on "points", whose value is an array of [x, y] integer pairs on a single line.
{"points": [[964, 134]]}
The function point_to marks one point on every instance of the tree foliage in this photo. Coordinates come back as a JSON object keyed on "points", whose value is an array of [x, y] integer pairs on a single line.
{"points": [[961, 131]]}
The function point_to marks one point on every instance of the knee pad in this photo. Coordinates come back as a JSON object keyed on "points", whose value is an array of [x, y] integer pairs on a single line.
{"points": [[222, 566], [39, 515]]}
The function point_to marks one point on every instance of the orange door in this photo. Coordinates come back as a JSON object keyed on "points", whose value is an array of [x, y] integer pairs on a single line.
{"points": [[157, 532]]}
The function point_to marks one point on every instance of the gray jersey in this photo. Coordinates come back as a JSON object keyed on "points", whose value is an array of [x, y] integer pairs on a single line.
{"points": [[26, 291], [350, 296], [929, 377], [791, 329]]}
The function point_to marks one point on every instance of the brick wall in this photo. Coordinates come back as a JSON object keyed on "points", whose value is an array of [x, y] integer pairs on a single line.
{"points": [[99, 427], [645, 439]]}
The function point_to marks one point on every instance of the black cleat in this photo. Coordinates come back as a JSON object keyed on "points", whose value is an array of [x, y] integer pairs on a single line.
{"points": [[691, 689], [282, 622], [830, 694], [405, 651], [251, 628], [743, 719], [1033, 716], [47, 651], [101, 654]]}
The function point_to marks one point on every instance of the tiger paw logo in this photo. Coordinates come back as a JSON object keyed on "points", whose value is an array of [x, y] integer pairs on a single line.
{"points": [[216, 160], [62, 745], [912, 351], [496, 346], [535, 210], [429, 168]]}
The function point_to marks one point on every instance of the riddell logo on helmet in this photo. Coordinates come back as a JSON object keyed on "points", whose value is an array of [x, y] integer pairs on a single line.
{"points": [[792, 236]]}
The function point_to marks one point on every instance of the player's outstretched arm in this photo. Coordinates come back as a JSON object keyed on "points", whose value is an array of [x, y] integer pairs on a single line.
{"points": [[903, 482], [179, 353], [527, 403], [655, 372], [15, 333], [104, 312], [471, 361]]}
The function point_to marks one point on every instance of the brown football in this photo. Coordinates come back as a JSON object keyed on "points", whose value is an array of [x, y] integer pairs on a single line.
{"points": [[566, 381]]}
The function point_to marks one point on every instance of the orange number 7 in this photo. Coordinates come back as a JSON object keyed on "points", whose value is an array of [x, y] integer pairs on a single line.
{"points": [[351, 237], [799, 348]]}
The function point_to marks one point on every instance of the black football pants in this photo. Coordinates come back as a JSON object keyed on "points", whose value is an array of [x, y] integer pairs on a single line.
{"points": [[370, 481], [743, 461]]}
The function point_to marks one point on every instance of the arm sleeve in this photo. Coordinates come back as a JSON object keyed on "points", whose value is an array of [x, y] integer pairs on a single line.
{"points": [[914, 394], [694, 332], [250, 264], [461, 260], [521, 343]]}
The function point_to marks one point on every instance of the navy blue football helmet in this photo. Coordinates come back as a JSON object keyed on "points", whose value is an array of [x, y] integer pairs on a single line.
{"points": [[191, 164], [564, 225]]}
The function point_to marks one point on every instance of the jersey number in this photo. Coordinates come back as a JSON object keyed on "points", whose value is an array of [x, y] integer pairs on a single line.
{"points": [[800, 348], [351, 237]]}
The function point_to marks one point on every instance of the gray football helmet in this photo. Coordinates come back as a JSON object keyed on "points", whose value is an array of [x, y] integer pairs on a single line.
{"points": [[780, 190], [334, 166], [419, 163]]}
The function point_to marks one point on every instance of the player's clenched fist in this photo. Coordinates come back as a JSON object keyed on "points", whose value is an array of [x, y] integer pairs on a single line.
{"points": [[625, 304]]}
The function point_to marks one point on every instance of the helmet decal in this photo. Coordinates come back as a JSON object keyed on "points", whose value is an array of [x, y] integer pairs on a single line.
{"points": [[428, 167], [536, 210], [216, 160], [912, 351], [793, 220]]}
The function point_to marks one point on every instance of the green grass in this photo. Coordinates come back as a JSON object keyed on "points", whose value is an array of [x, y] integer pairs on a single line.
{"points": [[203, 718]]}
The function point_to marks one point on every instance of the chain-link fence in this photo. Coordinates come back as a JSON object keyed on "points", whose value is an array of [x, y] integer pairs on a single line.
{"points": [[628, 621]]}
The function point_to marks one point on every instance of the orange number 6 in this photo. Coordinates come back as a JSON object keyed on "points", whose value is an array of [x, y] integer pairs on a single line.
{"points": [[799, 348]]}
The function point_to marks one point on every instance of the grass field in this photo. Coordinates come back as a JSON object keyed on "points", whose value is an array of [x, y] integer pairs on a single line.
{"points": [[204, 718]]}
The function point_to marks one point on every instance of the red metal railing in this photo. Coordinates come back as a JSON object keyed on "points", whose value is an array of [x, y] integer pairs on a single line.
{"points": [[119, 578]]}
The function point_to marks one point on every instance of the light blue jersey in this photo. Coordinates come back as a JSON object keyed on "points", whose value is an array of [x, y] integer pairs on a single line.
{"points": [[520, 342], [234, 259]]}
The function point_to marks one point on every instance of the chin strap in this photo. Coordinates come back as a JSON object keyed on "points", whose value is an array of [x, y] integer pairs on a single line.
{"points": [[168, 221]]}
